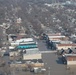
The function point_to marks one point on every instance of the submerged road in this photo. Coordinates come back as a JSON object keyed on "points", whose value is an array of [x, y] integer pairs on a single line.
{"points": [[1, 36], [52, 61]]}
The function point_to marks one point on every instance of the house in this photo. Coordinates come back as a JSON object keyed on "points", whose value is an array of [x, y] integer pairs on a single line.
{"points": [[71, 59], [65, 46]]}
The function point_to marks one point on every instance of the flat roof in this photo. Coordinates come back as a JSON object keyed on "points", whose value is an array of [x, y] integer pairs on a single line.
{"points": [[66, 44], [70, 55]]}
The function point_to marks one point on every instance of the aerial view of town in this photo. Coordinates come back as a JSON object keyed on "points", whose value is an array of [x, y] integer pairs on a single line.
{"points": [[37, 37]]}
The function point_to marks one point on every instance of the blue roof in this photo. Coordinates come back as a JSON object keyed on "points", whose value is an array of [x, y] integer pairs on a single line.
{"points": [[27, 46]]}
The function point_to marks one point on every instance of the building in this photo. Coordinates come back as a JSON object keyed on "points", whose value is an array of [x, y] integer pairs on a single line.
{"points": [[58, 38], [28, 63], [13, 53], [55, 37], [71, 59], [19, 65], [28, 48], [32, 56], [66, 42], [65, 46], [25, 40], [31, 51]]}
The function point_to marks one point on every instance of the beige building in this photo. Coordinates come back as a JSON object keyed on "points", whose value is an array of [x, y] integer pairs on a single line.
{"points": [[57, 38], [65, 46], [27, 65], [18, 65], [71, 59], [53, 34]]}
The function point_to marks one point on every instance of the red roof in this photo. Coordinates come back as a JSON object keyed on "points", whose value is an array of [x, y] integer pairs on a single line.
{"points": [[66, 44], [19, 37]]}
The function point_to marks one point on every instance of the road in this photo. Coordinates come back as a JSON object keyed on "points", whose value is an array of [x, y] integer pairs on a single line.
{"points": [[42, 45], [1, 36], [52, 62]]}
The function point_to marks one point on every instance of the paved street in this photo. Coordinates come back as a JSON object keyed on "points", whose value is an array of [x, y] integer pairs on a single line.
{"points": [[53, 64], [3, 38], [42, 46], [1, 35]]}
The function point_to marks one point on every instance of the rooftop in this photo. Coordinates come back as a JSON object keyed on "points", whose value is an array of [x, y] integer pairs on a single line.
{"points": [[66, 44], [70, 54]]}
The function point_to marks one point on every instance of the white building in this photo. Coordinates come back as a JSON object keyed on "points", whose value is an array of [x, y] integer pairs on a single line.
{"points": [[24, 40], [31, 56]]}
